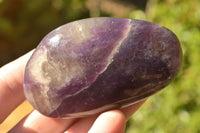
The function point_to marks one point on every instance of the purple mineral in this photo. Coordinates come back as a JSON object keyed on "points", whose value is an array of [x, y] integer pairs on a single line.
{"points": [[97, 64]]}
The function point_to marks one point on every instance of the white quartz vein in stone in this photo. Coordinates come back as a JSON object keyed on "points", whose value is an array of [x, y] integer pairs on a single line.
{"points": [[110, 58]]}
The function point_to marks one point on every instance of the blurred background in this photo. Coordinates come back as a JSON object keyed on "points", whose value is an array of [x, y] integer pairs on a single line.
{"points": [[176, 109]]}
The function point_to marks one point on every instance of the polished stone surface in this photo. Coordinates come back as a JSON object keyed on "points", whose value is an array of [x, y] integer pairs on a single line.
{"points": [[97, 64]]}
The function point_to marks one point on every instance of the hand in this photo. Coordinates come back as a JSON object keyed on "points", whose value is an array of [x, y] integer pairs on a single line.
{"points": [[11, 95]]}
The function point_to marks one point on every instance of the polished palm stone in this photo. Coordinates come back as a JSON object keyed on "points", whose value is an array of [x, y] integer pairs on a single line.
{"points": [[97, 64]]}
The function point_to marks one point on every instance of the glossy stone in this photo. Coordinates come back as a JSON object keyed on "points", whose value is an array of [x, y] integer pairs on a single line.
{"points": [[97, 64]]}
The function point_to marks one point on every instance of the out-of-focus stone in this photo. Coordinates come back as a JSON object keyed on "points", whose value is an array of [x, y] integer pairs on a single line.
{"points": [[97, 64]]}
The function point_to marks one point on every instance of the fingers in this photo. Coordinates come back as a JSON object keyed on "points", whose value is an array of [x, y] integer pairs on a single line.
{"points": [[113, 121], [109, 122], [11, 85], [82, 125], [38, 123]]}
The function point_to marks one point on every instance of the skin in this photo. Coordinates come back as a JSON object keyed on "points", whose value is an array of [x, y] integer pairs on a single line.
{"points": [[11, 91]]}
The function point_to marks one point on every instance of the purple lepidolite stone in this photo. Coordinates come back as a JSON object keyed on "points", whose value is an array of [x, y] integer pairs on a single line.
{"points": [[92, 65]]}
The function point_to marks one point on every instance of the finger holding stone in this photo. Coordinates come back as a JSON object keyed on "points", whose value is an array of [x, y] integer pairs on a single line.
{"points": [[11, 85], [36, 122], [82, 125], [113, 121]]}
